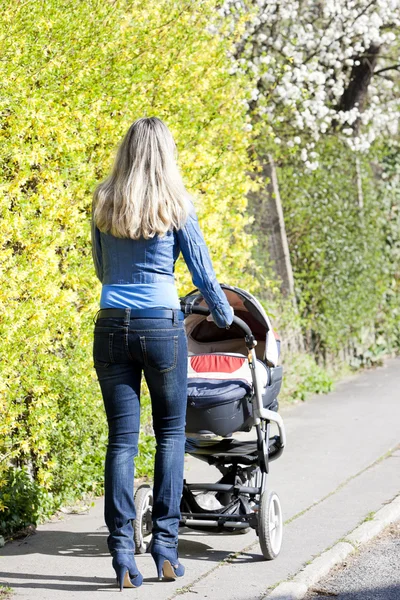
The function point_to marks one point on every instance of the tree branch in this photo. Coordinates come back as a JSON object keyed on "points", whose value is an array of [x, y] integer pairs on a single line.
{"points": [[396, 67]]}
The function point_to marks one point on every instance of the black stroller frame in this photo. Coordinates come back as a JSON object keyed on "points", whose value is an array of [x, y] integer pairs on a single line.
{"points": [[241, 498]]}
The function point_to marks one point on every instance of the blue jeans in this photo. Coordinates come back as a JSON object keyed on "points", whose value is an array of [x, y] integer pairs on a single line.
{"points": [[122, 349]]}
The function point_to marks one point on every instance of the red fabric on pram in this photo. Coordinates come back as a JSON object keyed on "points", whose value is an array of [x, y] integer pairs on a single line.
{"points": [[222, 363]]}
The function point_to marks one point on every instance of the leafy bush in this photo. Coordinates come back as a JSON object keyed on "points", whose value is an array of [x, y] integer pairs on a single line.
{"points": [[25, 500], [304, 377]]}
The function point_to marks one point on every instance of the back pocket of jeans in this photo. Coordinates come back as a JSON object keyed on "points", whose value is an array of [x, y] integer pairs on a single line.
{"points": [[103, 349], [160, 353]]}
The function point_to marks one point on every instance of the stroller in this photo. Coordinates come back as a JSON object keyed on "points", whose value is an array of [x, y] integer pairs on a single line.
{"points": [[233, 385]]}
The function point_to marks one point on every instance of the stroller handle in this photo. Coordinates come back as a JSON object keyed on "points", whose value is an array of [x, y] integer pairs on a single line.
{"points": [[201, 310]]}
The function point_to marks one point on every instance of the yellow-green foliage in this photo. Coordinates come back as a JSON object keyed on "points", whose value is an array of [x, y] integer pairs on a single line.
{"points": [[73, 78]]}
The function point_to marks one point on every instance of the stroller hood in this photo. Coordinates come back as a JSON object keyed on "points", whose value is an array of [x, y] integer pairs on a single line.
{"points": [[205, 337]]}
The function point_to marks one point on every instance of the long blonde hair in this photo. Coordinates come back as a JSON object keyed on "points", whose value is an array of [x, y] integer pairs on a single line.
{"points": [[144, 195]]}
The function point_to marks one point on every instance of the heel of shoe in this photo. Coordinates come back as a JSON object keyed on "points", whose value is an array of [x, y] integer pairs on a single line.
{"points": [[121, 572], [167, 563], [125, 577], [159, 560]]}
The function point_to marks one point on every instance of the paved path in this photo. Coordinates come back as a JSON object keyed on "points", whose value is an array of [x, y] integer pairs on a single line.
{"points": [[341, 463], [372, 574]]}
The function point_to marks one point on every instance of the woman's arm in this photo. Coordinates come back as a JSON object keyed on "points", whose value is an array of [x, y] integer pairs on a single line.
{"points": [[96, 250], [197, 258]]}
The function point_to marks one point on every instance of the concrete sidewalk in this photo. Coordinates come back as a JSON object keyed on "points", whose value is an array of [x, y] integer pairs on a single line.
{"points": [[340, 464]]}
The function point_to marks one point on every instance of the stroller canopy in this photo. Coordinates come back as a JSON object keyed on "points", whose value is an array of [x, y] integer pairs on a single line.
{"points": [[204, 337]]}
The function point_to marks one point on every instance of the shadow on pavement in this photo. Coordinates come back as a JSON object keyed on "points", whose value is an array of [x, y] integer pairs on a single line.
{"points": [[73, 583], [94, 543], [68, 543]]}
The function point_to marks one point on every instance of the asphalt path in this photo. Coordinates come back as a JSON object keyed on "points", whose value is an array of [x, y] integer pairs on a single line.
{"points": [[373, 573], [340, 464]]}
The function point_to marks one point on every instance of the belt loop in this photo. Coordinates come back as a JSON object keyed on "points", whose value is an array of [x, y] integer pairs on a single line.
{"points": [[174, 317], [127, 317], [95, 316]]}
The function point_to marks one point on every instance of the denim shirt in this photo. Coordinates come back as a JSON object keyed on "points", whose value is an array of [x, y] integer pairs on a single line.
{"points": [[127, 261]]}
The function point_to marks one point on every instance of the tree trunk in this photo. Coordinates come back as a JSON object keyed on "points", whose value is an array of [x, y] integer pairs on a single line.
{"points": [[360, 195], [356, 92], [271, 221]]}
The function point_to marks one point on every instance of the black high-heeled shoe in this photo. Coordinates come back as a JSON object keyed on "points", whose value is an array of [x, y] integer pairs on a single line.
{"points": [[167, 562], [126, 571]]}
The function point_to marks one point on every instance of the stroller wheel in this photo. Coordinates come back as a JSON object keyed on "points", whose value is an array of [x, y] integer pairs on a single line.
{"points": [[143, 525], [270, 525]]}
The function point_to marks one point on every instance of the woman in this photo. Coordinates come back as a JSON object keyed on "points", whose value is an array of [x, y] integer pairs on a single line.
{"points": [[142, 219]]}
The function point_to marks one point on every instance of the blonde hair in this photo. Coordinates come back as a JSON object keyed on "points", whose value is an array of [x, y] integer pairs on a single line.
{"points": [[144, 195]]}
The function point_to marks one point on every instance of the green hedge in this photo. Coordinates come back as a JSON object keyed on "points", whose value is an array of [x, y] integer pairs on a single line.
{"points": [[74, 77], [344, 256]]}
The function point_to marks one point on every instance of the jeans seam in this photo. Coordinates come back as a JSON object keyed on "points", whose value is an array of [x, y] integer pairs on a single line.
{"points": [[144, 351], [126, 341], [161, 543], [110, 346]]}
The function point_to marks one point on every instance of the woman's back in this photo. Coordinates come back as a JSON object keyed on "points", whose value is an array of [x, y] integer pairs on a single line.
{"points": [[127, 261], [139, 273]]}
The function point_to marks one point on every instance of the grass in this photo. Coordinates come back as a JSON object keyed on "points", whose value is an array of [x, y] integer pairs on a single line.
{"points": [[369, 517]]}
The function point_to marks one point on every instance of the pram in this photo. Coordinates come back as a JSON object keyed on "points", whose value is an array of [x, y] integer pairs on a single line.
{"points": [[233, 385]]}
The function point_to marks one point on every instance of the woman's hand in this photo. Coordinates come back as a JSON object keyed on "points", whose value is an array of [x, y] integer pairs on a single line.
{"points": [[210, 317]]}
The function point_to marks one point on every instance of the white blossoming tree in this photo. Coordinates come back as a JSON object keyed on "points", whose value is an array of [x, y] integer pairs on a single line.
{"points": [[320, 66], [324, 104]]}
